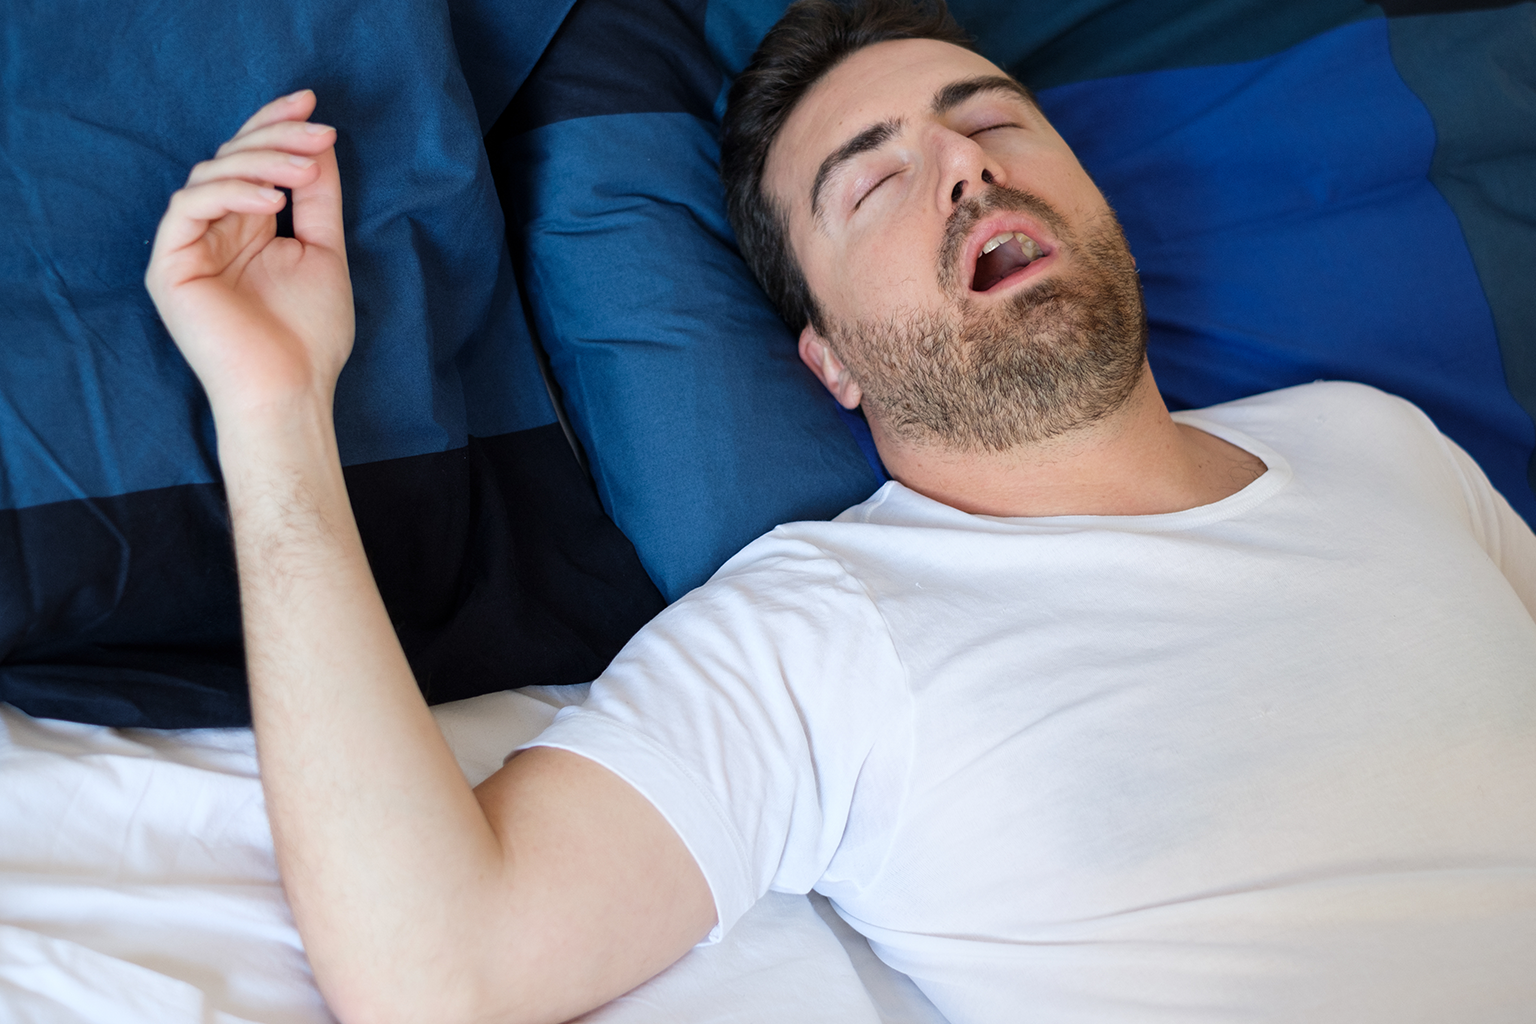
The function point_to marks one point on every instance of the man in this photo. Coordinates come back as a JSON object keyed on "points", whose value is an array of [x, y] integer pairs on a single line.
{"points": [[1095, 714]]}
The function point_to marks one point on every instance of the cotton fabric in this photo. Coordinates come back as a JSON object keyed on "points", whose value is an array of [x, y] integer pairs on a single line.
{"points": [[1272, 758]]}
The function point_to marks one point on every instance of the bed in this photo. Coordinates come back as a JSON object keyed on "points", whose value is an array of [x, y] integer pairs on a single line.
{"points": [[139, 888], [569, 403]]}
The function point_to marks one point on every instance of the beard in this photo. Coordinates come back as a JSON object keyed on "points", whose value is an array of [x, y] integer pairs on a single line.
{"points": [[1054, 357]]}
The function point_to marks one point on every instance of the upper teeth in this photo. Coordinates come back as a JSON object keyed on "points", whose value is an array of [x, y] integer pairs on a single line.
{"points": [[1026, 243]]}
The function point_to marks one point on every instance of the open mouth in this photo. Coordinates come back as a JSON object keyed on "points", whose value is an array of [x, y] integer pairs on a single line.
{"points": [[1004, 255]]}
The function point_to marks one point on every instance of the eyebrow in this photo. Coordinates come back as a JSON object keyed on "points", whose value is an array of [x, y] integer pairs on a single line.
{"points": [[873, 137], [956, 93], [877, 135]]}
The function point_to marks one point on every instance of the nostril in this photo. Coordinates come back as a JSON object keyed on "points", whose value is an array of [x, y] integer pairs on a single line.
{"points": [[959, 189], [986, 176]]}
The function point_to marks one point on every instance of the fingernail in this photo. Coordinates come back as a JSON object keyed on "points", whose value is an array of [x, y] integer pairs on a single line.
{"points": [[318, 129], [301, 161], [295, 95], [271, 195]]}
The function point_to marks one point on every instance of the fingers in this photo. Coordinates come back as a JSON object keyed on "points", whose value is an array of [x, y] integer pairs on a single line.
{"points": [[317, 206], [276, 146], [265, 166], [260, 154], [301, 137], [192, 209], [238, 183], [293, 107]]}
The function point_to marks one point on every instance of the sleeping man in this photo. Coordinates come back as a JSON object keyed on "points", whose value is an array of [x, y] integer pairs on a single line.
{"points": [[1095, 713]]}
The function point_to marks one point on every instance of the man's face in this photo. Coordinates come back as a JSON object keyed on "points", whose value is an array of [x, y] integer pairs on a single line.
{"points": [[971, 276]]}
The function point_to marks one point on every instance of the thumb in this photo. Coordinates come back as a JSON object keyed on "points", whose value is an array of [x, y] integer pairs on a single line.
{"points": [[317, 206]]}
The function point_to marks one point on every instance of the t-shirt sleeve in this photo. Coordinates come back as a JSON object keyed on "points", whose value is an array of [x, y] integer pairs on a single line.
{"points": [[745, 713], [1502, 532]]}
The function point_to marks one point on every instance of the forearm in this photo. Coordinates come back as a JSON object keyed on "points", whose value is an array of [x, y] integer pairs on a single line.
{"points": [[553, 888], [382, 846]]}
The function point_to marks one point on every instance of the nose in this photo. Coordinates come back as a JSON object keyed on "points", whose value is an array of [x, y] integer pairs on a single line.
{"points": [[965, 168], [958, 192]]}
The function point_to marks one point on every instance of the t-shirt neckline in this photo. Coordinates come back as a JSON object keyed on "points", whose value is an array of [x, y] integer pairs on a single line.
{"points": [[1277, 473]]}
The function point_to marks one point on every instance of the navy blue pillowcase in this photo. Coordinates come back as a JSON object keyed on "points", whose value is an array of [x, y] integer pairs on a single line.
{"points": [[1283, 189], [702, 428], [498, 44], [117, 592]]}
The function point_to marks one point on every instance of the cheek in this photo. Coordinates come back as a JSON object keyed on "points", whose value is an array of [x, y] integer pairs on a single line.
{"points": [[1054, 175], [1079, 194], [894, 268]]}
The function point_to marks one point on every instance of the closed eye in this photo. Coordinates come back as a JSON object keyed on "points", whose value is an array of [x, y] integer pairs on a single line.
{"points": [[992, 128], [872, 188]]}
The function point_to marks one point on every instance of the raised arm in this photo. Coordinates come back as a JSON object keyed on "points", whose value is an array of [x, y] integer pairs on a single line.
{"points": [[553, 887]]}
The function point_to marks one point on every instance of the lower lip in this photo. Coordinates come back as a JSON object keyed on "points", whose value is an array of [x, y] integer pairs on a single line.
{"points": [[1020, 275]]}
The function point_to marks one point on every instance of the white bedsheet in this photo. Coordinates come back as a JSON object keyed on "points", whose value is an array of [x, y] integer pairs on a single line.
{"points": [[137, 884]]}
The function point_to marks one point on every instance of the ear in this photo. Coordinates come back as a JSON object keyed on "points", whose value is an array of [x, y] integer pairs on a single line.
{"points": [[818, 355]]}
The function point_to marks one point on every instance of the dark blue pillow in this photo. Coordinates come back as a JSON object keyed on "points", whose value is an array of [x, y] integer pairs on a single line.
{"points": [[702, 427], [117, 594], [1297, 211]]}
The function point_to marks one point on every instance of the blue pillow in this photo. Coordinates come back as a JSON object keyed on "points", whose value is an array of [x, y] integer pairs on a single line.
{"points": [[702, 428], [1225, 132], [1285, 235], [117, 591]]}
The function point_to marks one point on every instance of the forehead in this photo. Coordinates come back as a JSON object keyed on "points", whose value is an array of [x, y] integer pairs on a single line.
{"points": [[896, 79]]}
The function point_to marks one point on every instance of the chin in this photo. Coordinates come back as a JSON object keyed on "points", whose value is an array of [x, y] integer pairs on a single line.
{"points": [[1061, 353]]}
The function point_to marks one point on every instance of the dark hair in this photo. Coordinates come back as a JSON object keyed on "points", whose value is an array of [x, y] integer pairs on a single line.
{"points": [[812, 38]]}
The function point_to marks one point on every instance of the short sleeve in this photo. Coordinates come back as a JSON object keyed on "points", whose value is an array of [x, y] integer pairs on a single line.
{"points": [[746, 712], [1500, 530]]}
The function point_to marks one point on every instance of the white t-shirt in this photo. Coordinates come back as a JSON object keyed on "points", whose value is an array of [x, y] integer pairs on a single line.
{"points": [[1268, 759]]}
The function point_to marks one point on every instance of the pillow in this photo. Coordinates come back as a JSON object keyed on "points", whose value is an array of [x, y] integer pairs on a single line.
{"points": [[1285, 236], [1311, 190], [702, 427], [118, 602]]}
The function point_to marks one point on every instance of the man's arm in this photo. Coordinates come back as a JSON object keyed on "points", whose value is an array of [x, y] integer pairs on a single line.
{"points": [[551, 888]]}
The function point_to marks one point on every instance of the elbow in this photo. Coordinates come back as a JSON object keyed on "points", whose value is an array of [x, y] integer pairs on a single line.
{"points": [[425, 996]]}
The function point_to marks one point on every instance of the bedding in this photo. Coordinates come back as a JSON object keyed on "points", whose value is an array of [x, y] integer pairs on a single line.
{"points": [[137, 885], [1318, 189], [1392, 169], [117, 590]]}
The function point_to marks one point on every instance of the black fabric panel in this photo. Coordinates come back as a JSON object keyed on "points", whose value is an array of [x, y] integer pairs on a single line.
{"points": [[123, 610], [498, 43], [1047, 43], [498, 566], [619, 57], [496, 562], [1402, 8]]}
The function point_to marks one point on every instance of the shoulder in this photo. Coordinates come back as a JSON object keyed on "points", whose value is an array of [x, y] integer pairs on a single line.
{"points": [[1340, 417], [842, 550], [1324, 398], [1353, 439], [796, 587]]}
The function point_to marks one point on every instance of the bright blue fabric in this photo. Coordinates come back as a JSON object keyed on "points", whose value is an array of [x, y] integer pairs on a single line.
{"points": [[106, 107], [1286, 229]]}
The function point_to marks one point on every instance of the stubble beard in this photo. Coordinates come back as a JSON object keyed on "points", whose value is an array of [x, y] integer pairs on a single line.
{"points": [[1057, 356]]}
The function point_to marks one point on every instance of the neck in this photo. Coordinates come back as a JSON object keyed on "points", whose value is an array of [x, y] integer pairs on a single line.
{"points": [[1136, 461]]}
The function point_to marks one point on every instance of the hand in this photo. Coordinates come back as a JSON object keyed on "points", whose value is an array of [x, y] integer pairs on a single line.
{"points": [[265, 322]]}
